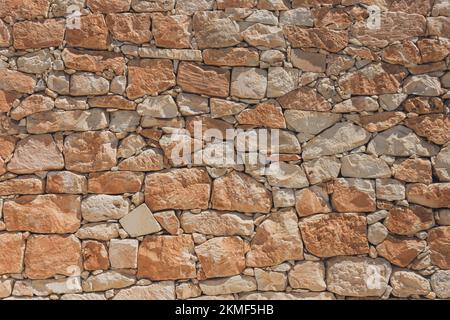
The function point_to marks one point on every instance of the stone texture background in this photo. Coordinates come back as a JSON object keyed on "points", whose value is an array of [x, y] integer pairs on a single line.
{"points": [[95, 207]]}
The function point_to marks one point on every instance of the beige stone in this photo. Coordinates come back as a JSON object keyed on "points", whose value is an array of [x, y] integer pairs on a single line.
{"points": [[11, 253], [140, 222]]}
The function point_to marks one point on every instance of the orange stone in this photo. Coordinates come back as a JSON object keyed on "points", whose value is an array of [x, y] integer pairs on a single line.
{"points": [[113, 102], [237, 191], [405, 53], [93, 61], [201, 79], [424, 105], [43, 214], [24, 9], [109, 6], [92, 33], [321, 38], [221, 257], [306, 99], [35, 35], [128, 27], [381, 121], [172, 31], [407, 221], [434, 127], [206, 123], [439, 242], [433, 196], [66, 182], [12, 248], [267, 114], [22, 185], [335, 235], [6, 100], [7, 145], [166, 258], [400, 252], [115, 182], [5, 35], [15, 81], [47, 256], [413, 170], [353, 195], [142, 77], [95, 256], [232, 57], [225, 4], [33, 104], [182, 189], [310, 203]]}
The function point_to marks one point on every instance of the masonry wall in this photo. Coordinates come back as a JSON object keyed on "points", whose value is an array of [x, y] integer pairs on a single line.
{"points": [[98, 100]]}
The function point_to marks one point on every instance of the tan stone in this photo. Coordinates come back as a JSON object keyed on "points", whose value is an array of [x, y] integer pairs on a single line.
{"points": [[270, 281], [277, 239], [35, 35], [98, 231], [406, 283], [6, 287], [115, 182], [32, 104], [66, 182], [438, 240], [172, 31], [221, 257], [434, 127], [15, 81], [24, 9], [407, 221], [93, 61], [95, 256], [43, 214], [381, 121], [413, 170], [309, 203], [405, 53], [232, 57], [222, 108], [262, 35], [267, 114], [169, 222], [22, 185], [12, 248], [239, 192], [79, 148], [235, 284], [36, 153], [7, 99], [164, 290], [166, 258], [127, 27], [113, 102], [306, 99], [109, 6], [200, 79], [123, 253], [140, 222], [322, 38], [354, 195], [106, 281], [433, 196], [400, 252], [206, 124], [141, 79], [308, 275], [423, 105], [438, 26], [335, 235], [62, 256], [92, 33]]}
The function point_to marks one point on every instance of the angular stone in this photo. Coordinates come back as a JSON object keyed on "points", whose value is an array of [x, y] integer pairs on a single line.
{"points": [[222, 108], [306, 99], [286, 175], [15, 81], [22, 185], [140, 222], [423, 85], [335, 235], [192, 104], [182, 189], [423, 105], [43, 214], [166, 258], [281, 81], [232, 57], [151, 6], [442, 165], [36, 153], [59, 82], [105, 6], [309, 202], [95, 256], [381, 121], [79, 148], [267, 114], [99, 231], [11, 253], [261, 35], [364, 166], [172, 31], [322, 169], [92, 33], [128, 27], [400, 252], [270, 281], [221, 257], [239, 192], [169, 221], [87, 84], [338, 139], [321, 38], [106, 281], [401, 142], [310, 122], [406, 283], [354, 195], [158, 291], [5, 288], [413, 170], [215, 30], [66, 182], [62, 256], [374, 79], [236, 284], [159, 107], [433, 196], [124, 121], [93, 61], [123, 253], [405, 53], [309, 61], [434, 127], [24, 9], [6, 100], [249, 83], [36, 35], [358, 276], [440, 282], [217, 223], [58, 286], [148, 160], [390, 190], [277, 240], [308, 275], [141, 79], [103, 207], [408, 221], [438, 26], [32, 104], [115, 182], [77, 120], [356, 104], [438, 240], [396, 26], [36, 62], [298, 16]]}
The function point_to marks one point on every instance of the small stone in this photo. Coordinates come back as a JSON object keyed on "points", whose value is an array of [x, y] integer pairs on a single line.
{"points": [[283, 198], [322, 169], [232, 57], [281, 81], [262, 35], [140, 222], [381, 121], [95, 256], [306, 99], [159, 107], [98, 231], [105, 6], [356, 104], [86, 84], [440, 282], [310, 122], [309, 202], [390, 190], [102, 208], [36, 62], [377, 233], [59, 82], [158, 291], [5, 288], [169, 221], [123, 253], [309, 61]]}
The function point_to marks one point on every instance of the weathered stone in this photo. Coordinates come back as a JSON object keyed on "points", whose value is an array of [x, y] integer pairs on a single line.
{"points": [[159, 107], [236, 284], [434, 127], [270, 281], [221, 257], [11, 253], [123, 253], [356, 104], [99, 231], [310, 202], [381, 121], [322, 169], [115, 182], [95, 256], [124, 121], [215, 30], [79, 148], [405, 53], [35, 62], [62, 256], [408, 221], [151, 6], [364, 166], [158, 291], [406, 283], [59, 82], [322, 38], [308, 275], [310, 122], [400, 252], [286, 175], [217, 224], [166, 258], [309, 61], [169, 221], [261, 35], [438, 26], [281, 81], [43, 214], [5, 288], [438, 240], [306, 99], [126, 27], [102, 208], [377, 233], [423, 105], [390, 190], [35, 35], [92, 33], [16, 81], [192, 104], [440, 282], [22, 185], [233, 57], [239, 192], [105, 6], [249, 83], [432, 196], [277, 239], [106, 281], [442, 165], [23, 9], [335, 235], [66, 182], [93, 61], [32, 104], [86, 84], [423, 85], [140, 222], [172, 31], [358, 276]]}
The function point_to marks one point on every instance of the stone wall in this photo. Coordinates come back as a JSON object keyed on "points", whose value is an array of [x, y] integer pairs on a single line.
{"points": [[98, 201]]}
